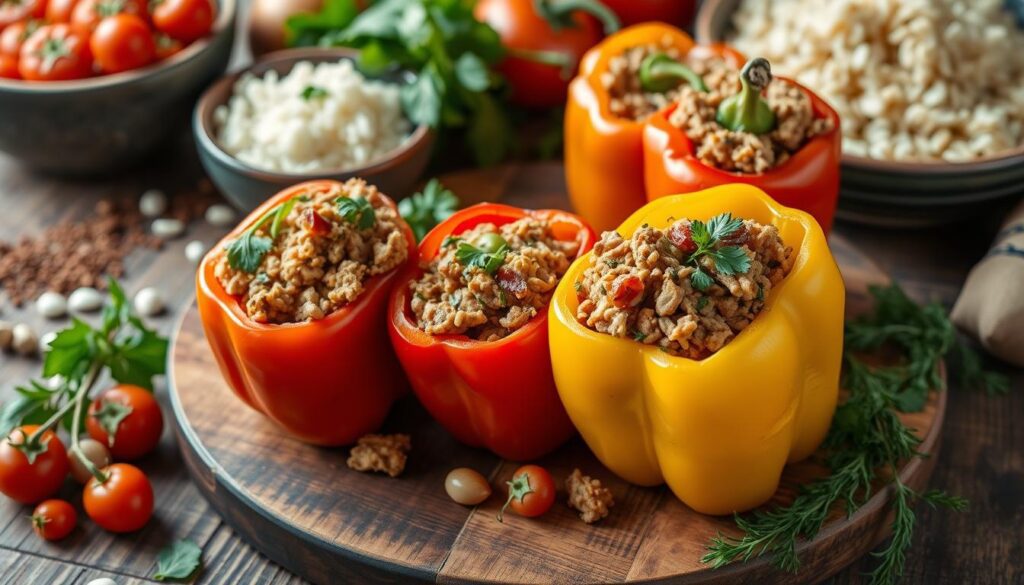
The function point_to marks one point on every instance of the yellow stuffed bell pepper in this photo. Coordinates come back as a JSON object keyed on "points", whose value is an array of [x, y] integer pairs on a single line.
{"points": [[720, 429]]}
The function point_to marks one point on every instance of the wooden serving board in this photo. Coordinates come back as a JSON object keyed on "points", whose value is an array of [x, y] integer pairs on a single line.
{"points": [[302, 507]]}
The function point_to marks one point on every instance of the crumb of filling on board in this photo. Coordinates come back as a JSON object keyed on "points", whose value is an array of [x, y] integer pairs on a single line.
{"points": [[381, 453], [587, 496]]}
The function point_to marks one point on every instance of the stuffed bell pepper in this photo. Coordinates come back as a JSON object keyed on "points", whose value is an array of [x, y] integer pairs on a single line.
{"points": [[608, 102], [469, 325], [743, 126], [293, 303], [700, 345]]}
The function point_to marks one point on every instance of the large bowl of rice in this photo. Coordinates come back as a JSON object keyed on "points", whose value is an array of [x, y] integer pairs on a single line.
{"points": [[305, 114]]}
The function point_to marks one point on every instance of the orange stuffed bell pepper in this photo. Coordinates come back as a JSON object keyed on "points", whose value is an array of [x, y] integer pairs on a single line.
{"points": [[293, 302], [795, 161], [604, 119], [470, 325], [717, 385]]}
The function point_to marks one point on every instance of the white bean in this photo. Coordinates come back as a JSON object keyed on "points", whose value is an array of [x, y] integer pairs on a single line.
{"points": [[85, 300], [102, 581], [220, 215], [6, 335], [148, 302], [153, 203], [51, 305], [24, 340], [167, 228], [194, 251]]}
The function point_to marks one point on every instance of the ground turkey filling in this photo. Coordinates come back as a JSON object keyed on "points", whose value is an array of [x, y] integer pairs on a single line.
{"points": [[715, 146], [642, 288], [457, 297], [320, 260]]}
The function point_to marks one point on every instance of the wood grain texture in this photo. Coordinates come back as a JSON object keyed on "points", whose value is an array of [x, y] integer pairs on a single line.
{"points": [[301, 506]]}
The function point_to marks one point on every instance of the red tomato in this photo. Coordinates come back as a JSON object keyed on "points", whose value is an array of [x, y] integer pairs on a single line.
{"points": [[88, 13], [59, 10], [531, 492], [9, 67], [122, 42], [676, 12], [31, 482], [185, 20], [14, 36], [54, 519], [56, 52], [138, 432], [166, 47], [524, 31], [122, 503], [11, 11], [625, 290]]}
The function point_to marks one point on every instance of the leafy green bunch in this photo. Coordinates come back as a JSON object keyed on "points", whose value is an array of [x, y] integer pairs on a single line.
{"points": [[448, 49], [427, 208], [867, 441]]}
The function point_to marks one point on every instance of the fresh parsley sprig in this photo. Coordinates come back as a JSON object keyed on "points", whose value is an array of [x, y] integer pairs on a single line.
{"points": [[246, 252], [427, 208], [488, 261], [357, 211], [727, 260], [867, 441]]}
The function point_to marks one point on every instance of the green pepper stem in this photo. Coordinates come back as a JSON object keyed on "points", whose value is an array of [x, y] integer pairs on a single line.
{"points": [[660, 73], [555, 58], [558, 12], [747, 111]]}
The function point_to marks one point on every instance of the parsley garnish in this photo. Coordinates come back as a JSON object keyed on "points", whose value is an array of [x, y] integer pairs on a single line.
{"points": [[760, 292], [728, 260], [246, 252], [577, 286], [357, 211], [450, 241], [701, 303], [424, 210], [312, 92], [612, 263], [867, 440], [471, 256], [639, 335]]}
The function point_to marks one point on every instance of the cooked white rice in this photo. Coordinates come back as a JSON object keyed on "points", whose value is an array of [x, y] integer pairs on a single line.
{"points": [[344, 121]]}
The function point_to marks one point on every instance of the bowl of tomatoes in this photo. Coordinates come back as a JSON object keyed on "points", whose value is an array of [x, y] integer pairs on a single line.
{"points": [[89, 87]]}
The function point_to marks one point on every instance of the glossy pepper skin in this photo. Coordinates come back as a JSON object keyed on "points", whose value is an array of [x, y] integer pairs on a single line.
{"points": [[327, 382], [808, 181], [718, 431], [495, 394], [604, 162]]}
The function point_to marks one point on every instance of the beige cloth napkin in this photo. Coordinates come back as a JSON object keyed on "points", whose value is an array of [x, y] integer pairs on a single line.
{"points": [[991, 304]]}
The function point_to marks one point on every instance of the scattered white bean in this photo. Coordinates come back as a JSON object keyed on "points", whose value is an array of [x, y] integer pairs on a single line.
{"points": [[55, 382], [148, 302], [153, 203], [220, 215], [102, 581], [194, 251], [167, 227], [85, 300], [24, 340], [51, 305], [6, 335], [45, 340]]}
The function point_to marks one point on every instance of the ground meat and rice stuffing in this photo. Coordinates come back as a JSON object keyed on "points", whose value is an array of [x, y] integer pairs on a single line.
{"points": [[688, 289], [328, 242], [491, 280]]}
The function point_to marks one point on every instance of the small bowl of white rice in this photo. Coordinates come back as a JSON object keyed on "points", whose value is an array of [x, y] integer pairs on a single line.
{"points": [[306, 114]]}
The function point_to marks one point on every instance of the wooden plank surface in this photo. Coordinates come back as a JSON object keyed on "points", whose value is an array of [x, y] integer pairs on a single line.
{"points": [[981, 457]]}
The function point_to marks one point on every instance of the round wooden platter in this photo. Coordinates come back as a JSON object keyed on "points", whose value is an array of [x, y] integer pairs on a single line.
{"points": [[302, 507]]}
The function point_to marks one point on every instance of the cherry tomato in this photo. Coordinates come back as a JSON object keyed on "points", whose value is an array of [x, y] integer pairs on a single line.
{"points": [[530, 492], [11, 11], [676, 12], [9, 67], [56, 52], [166, 47], [626, 290], [138, 432], [27, 482], [87, 14], [524, 31], [54, 519], [14, 36], [59, 10], [185, 20], [122, 503], [122, 42]]}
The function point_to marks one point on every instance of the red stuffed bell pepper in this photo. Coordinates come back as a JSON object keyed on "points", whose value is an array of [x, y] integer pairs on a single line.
{"points": [[470, 325], [784, 140], [317, 362]]}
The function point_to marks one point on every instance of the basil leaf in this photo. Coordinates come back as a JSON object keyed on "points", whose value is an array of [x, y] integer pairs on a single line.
{"points": [[72, 347], [178, 561]]}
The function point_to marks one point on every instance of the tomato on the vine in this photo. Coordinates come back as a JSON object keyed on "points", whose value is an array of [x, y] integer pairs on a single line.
{"points": [[134, 417], [545, 42], [122, 502], [54, 519], [122, 42], [530, 492], [9, 67], [13, 37], [32, 472], [59, 10], [675, 12], [185, 20], [88, 14], [12, 11], [56, 52]]}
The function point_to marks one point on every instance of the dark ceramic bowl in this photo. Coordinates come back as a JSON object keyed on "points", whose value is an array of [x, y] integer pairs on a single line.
{"points": [[395, 173], [905, 194], [100, 125]]}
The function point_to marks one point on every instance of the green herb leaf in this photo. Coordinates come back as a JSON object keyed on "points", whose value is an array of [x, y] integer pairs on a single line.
{"points": [[730, 260], [246, 252], [313, 92], [723, 225], [138, 356], [639, 335], [472, 72], [109, 416], [471, 256], [357, 211], [425, 209], [72, 348], [422, 100], [701, 303], [701, 280], [450, 241], [306, 29], [178, 561], [15, 413]]}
